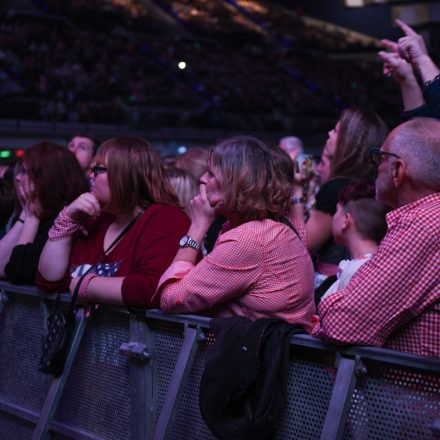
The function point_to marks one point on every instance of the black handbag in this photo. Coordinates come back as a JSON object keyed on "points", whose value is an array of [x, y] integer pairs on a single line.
{"points": [[56, 342]]}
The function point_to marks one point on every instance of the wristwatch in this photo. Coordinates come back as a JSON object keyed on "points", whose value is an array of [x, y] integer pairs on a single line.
{"points": [[187, 241]]}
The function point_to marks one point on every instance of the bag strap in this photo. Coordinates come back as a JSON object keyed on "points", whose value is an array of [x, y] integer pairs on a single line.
{"points": [[121, 235], [75, 294], [287, 222]]}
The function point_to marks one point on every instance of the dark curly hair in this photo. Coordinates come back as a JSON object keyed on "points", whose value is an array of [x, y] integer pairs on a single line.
{"points": [[256, 178]]}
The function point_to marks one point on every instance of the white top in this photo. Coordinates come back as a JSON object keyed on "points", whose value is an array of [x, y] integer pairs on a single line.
{"points": [[347, 268]]}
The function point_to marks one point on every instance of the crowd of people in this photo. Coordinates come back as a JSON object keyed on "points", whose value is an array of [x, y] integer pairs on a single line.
{"points": [[229, 231], [82, 69]]}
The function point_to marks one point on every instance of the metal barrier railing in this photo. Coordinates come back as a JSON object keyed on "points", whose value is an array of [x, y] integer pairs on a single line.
{"points": [[136, 376]]}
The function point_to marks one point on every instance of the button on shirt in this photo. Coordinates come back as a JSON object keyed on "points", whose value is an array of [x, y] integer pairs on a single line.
{"points": [[394, 299], [258, 269]]}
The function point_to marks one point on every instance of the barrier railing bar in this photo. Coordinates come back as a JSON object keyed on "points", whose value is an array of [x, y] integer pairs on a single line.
{"points": [[373, 353], [57, 385], [200, 321], [32, 417], [339, 406], [18, 411], [177, 383]]}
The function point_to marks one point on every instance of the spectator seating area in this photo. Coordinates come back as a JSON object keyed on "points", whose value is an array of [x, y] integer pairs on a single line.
{"points": [[116, 62]]}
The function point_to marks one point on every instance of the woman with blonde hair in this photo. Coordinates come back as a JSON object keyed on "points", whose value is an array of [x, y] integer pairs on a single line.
{"points": [[184, 185], [123, 233], [259, 266]]}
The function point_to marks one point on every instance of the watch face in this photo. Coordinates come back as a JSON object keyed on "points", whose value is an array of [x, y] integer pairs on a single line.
{"points": [[184, 240]]}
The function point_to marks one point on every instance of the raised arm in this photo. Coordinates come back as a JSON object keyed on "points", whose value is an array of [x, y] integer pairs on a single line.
{"points": [[55, 257], [401, 70], [26, 227], [412, 48]]}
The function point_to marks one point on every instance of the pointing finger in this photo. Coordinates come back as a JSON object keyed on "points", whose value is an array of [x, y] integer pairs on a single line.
{"points": [[407, 30], [390, 45]]}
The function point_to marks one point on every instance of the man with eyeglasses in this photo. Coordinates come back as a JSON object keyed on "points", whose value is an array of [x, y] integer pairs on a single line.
{"points": [[394, 299]]}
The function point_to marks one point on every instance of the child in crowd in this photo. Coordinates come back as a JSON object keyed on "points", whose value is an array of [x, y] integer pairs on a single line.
{"points": [[358, 224]]}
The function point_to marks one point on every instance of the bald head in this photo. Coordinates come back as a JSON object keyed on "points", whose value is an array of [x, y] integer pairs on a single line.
{"points": [[417, 142]]}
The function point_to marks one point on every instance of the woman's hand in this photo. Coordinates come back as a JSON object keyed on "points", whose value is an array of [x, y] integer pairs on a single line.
{"points": [[85, 204], [30, 206], [201, 212]]}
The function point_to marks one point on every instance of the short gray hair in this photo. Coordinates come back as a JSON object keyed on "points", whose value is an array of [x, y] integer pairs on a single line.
{"points": [[418, 143]]}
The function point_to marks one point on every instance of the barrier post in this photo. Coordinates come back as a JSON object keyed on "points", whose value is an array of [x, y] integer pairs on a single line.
{"points": [[341, 398], [178, 381], [57, 385], [140, 350]]}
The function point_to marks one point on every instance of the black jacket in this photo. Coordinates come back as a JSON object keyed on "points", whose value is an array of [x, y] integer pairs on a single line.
{"points": [[243, 386]]}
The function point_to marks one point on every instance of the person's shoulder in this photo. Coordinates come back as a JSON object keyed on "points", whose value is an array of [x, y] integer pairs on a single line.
{"points": [[254, 229], [327, 196], [162, 210], [165, 216], [332, 187]]}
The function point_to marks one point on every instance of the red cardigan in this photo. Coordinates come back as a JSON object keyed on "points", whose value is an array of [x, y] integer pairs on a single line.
{"points": [[143, 253]]}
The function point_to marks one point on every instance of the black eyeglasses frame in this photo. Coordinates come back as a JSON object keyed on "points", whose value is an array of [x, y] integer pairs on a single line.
{"points": [[98, 169], [375, 152]]}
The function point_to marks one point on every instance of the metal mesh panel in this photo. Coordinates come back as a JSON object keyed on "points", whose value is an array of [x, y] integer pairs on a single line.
{"points": [[169, 339], [309, 387], [12, 428], [20, 350], [189, 422], [96, 398], [393, 403]]}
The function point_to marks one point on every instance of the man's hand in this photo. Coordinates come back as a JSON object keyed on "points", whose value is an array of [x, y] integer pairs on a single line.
{"points": [[394, 65]]}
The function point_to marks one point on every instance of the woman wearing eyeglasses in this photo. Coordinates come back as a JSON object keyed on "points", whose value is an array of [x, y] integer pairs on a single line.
{"points": [[123, 233], [48, 179]]}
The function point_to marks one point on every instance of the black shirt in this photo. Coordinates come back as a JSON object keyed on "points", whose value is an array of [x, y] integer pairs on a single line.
{"points": [[22, 266], [326, 201]]}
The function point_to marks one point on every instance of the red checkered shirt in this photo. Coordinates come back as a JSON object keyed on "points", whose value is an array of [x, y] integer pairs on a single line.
{"points": [[394, 299], [258, 269]]}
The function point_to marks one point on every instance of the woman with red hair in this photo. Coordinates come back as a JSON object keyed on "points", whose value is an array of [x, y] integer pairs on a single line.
{"points": [[122, 235], [48, 179]]}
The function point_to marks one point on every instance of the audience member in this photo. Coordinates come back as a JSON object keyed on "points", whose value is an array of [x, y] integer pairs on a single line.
{"points": [[184, 185], [405, 59], [194, 162], [292, 145], [7, 198], [359, 225], [259, 266], [48, 179], [394, 299], [84, 148], [346, 156], [123, 234]]}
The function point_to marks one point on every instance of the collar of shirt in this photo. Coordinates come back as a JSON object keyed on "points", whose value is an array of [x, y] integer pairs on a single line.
{"points": [[393, 216]]}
